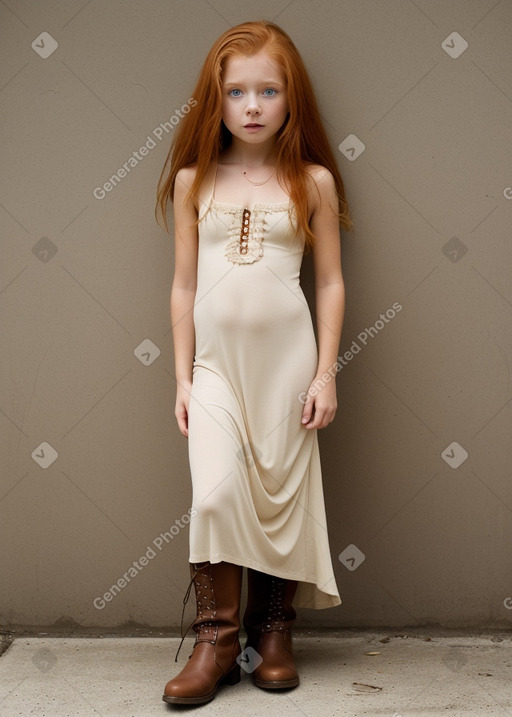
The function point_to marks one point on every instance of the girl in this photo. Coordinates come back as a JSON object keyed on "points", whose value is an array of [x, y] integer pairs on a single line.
{"points": [[254, 184]]}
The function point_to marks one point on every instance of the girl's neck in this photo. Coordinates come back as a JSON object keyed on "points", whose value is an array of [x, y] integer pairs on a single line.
{"points": [[248, 155]]}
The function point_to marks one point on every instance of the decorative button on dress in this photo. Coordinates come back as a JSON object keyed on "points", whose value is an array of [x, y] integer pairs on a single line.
{"points": [[255, 469]]}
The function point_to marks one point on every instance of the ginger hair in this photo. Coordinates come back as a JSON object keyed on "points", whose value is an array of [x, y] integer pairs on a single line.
{"points": [[201, 135]]}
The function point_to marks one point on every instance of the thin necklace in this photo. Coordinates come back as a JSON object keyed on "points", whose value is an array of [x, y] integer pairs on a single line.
{"points": [[256, 184]]}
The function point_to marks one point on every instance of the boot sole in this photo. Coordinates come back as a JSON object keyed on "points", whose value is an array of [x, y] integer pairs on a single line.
{"points": [[277, 685], [230, 678]]}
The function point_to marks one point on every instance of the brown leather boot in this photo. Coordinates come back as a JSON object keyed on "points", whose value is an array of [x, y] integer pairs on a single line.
{"points": [[213, 658], [268, 619]]}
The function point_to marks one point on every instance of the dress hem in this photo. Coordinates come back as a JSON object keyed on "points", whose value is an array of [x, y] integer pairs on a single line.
{"points": [[314, 605]]}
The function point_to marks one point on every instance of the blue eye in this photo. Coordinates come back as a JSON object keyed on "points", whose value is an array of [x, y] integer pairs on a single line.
{"points": [[269, 89], [231, 93]]}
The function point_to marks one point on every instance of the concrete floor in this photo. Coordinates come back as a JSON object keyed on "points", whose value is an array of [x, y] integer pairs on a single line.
{"points": [[416, 673]]}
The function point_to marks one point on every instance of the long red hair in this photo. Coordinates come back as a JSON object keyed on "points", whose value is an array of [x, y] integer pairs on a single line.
{"points": [[201, 135]]}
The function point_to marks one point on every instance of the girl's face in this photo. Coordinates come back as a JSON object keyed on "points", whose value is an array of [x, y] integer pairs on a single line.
{"points": [[253, 93]]}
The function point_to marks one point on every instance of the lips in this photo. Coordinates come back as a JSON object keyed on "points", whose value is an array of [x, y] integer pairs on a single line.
{"points": [[253, 124]]}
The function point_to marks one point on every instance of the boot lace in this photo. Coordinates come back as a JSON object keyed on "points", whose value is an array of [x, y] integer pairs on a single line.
{"points": [[276, 614], [204, 623]]}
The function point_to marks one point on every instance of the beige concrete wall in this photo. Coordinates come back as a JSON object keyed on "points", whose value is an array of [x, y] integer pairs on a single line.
{"points": [[87, 364]]}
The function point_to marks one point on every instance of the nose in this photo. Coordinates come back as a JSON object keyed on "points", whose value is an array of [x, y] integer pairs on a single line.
{"points": [[253, 106]]}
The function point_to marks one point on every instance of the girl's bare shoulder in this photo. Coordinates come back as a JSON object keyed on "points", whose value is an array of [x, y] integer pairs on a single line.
{"points": [[317, 172], [184, 180], [187, 174], [322, 186]]}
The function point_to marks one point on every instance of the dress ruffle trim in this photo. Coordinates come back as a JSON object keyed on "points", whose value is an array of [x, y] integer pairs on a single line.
{"points": [[246, 232], [245, 248]]}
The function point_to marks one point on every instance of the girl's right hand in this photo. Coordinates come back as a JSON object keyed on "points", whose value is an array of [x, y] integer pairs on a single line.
{"points": [[182, 401]]}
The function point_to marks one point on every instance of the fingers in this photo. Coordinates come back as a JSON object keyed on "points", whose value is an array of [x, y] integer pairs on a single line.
{"points": [[315, 416], [307, 411], [182, 425], [182, 418]]}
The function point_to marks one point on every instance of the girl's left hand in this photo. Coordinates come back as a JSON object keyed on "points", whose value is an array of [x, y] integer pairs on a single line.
{"points": [[320, 408]]}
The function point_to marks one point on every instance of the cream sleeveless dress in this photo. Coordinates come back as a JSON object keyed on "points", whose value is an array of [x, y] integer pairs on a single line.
{"points": [[255, 469]]}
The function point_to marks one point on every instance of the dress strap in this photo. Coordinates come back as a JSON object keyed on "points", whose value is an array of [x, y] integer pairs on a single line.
{"points": [[210, 180], [212, 190]]}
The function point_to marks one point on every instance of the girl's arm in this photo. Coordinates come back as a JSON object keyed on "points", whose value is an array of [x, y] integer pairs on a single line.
{"points": [[321, 404], [183, 293]]}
